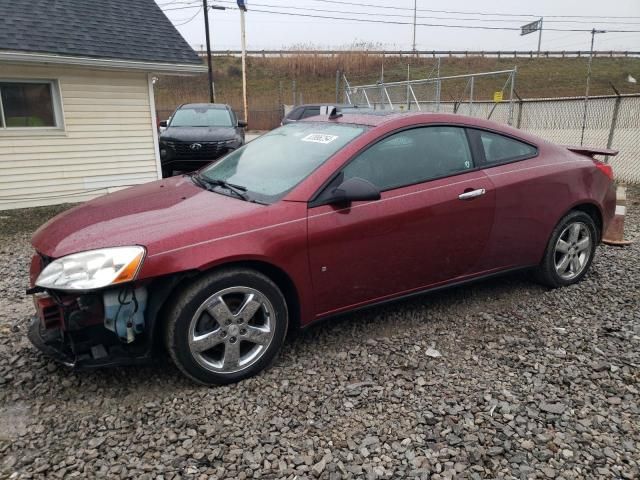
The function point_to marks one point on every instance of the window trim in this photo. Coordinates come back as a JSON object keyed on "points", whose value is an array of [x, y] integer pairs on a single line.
{"points": [[56, 100], [478, 147], [314, 202]]}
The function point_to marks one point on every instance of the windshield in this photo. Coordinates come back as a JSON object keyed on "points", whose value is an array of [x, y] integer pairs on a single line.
{"points": [[271, 165], [201, 117]]}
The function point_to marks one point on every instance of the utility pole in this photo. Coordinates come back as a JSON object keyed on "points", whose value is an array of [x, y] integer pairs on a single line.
{"points": [[206, 31], [212, 94], [540, 36], [415, 13], [586, 93], [243, 8]]}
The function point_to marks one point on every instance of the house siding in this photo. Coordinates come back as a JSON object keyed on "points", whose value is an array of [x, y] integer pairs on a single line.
{"points": [[107, 142]]}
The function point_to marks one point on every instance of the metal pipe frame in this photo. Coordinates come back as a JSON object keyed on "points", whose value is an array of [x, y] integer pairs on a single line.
{"points": [[434, 80]]}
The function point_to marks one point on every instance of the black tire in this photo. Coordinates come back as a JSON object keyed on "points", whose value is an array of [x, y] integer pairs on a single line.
{"points": [[191, 300], [546, 273]]}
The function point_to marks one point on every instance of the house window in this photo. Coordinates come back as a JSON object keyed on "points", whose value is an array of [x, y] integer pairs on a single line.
{"points": [[29, 104]]}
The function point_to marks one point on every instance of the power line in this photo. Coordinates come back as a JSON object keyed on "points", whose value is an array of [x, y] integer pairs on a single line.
{"points": [[181, 8], [370, 14], [174, 2], [359, 4], [191, 19], [394, 22]]}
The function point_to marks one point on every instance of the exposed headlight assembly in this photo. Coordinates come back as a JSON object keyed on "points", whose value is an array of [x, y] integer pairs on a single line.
{"points": [[93, 269]]}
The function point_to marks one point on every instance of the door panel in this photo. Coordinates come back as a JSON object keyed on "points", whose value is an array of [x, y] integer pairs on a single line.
{"points": [[414, 237], [533, 189]]}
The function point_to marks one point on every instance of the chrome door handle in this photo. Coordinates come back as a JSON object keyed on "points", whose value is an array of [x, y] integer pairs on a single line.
{"points": [[472, 194]]}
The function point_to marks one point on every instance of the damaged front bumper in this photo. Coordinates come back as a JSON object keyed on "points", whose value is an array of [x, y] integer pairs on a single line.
{"points": [[93, 330], [54, 346]]}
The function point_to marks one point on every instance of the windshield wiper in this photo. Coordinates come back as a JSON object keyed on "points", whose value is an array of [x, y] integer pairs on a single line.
{"points": [[237, 189], [207, 183]]}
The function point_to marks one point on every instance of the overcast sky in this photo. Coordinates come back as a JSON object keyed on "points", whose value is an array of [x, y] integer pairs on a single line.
{"points": [[272, 31]]}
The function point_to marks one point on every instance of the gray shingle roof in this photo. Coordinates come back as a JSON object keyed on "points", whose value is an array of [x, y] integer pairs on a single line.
{"points": [[116, 29]]}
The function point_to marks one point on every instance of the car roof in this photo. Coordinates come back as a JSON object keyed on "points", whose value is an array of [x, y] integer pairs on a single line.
{"points": [[381, 117], [371, 118], [339, 105], [220, 106]]}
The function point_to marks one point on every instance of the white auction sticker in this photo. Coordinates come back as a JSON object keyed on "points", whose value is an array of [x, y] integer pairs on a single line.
{"points": [[319, 138]]}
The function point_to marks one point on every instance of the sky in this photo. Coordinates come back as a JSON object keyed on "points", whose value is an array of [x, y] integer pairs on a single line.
{"points": [[278, 31]]}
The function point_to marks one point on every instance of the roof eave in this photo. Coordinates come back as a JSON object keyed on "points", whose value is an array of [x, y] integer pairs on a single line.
{"points": [[105, 63]]}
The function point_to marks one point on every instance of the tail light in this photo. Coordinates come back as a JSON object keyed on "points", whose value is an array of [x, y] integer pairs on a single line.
{"points": [[604, 168]]}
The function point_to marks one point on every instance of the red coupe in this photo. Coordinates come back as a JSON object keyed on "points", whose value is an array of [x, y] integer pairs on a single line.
{"points": [[313, 219]]}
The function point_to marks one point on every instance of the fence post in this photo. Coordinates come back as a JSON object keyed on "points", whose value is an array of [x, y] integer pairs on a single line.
{"points": [[614, 120], [520, 108], [471, 97], [280, 100], [295, 96], [337, 86]]}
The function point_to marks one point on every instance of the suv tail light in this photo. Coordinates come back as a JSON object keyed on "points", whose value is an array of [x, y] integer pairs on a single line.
{"points": [[604, 168]]}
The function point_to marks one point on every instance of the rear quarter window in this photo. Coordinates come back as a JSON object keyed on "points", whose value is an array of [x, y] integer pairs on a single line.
{"points": [[310, 112], [295, 113], [501, 149]]}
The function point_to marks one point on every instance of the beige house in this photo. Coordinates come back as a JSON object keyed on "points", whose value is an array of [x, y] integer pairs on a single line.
{"points": [[77, 113]]}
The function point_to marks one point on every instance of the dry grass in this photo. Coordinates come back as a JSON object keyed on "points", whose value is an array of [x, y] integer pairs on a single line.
{"points": [[270, 79]]}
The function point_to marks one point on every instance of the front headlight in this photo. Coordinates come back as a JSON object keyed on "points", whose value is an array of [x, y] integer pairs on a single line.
{"points": [[93, 269]]}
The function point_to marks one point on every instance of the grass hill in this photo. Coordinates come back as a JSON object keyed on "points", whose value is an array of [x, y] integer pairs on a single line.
{"points": [[271, 79]]}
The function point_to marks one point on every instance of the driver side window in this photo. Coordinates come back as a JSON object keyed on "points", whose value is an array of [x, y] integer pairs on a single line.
{"points": [[413, 156]]}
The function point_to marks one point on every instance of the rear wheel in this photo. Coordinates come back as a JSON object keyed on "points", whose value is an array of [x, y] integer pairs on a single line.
{"points": [[570, 251], [227, 326]]}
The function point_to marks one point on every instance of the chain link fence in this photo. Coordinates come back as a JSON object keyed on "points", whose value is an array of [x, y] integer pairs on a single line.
{"points": [[611, 121]]}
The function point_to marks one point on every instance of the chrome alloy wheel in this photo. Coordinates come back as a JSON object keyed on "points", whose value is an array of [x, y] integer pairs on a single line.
{"points": [[573, 250], [231, 330]]}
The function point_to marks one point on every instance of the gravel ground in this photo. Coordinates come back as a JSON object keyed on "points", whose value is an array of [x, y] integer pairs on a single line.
{"points": [[501, 379]]}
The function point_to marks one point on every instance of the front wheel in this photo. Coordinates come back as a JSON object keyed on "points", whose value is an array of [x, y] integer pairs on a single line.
{"points": [[570, 251], [226, 326]]}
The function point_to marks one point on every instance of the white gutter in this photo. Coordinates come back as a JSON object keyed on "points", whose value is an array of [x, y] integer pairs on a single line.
{"points": [[154, 126], [89, 62]]}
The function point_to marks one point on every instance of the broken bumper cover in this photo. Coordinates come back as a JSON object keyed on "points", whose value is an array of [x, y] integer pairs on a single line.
{"points": [[52, 343], [48, 342]]}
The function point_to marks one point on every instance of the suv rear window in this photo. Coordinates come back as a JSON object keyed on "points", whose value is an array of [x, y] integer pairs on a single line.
{"points": [[310, 112]]}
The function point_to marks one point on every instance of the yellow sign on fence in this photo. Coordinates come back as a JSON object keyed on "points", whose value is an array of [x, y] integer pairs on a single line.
{"points": [[497, 96]]}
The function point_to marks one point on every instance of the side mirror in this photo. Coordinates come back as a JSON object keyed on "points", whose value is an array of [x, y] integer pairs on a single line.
{"points": [[163, 124], [354, 190], [242, 124]]}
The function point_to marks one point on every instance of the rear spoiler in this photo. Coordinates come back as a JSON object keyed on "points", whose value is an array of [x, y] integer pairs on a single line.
{"points": [[591, 151]]}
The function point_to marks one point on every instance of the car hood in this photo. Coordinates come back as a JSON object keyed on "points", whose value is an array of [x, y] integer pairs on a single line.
{"points": [[198, 134], [161, 216]]}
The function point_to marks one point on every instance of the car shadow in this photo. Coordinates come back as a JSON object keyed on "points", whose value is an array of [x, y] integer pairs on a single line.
{"points": [[162, 379], [453, 302]]}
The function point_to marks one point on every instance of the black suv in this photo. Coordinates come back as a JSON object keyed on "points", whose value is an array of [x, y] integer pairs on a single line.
{"points": [[197, 134]]}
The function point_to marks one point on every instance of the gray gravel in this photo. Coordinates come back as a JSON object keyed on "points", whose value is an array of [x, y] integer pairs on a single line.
{"points": [[501, 379]]}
